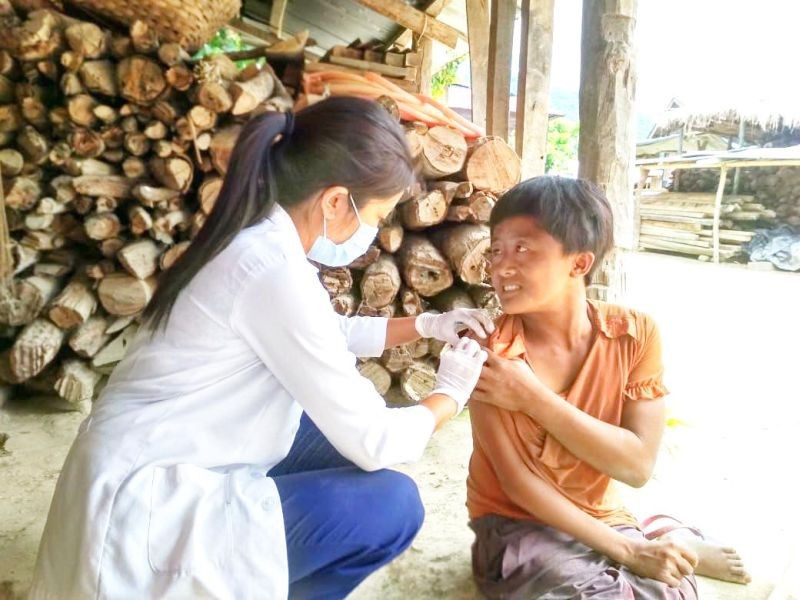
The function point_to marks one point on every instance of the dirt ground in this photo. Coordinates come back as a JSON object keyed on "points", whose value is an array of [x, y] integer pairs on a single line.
{"points": [[731, 341]]}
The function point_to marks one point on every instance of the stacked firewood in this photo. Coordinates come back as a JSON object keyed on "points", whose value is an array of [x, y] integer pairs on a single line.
{"points": [[432, 253], [777, 188], [112, 152]]}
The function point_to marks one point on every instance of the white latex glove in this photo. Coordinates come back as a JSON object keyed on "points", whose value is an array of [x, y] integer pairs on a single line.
{"points": [[459, 371], [446, 327]]}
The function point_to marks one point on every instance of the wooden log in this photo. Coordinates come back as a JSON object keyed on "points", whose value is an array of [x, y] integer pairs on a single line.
{"points": [[140, 258], [34, 145], [411, 304], [214, 96], [171, 256], [23, 257], [467, 250], [28, 297], [387, 312], [222, 144], [377, 374], [165, 225], [486, 298], [345, 304], [452, 298], [208, 192], [143, 37], [11, 162], [125, 295], [102, 226], [73, 306], [475, 209], [23, 193], [423, 267], [156, 130], [442, 153], [10, 118], [397, 359], [140, 79], [134, 167], [390, 238], [43, 240], [492, 166], [139, 220], [151, 196], [86, 143], [80, 108], [136, 143], [114, 351], [35, 347], [76, 381], [336, 280], [7, 93], [380, 283], [172, 53], [99, 77], [418, 380], [423, 211], [180, 77], [98, 185], [202, 118], [87, 39], [246, 95]]}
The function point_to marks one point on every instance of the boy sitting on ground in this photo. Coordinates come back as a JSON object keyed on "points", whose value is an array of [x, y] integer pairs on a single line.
{"points": [[570, 399]]}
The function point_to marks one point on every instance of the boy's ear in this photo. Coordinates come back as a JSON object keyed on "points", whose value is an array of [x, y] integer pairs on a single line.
{"points": [[582, 264]]}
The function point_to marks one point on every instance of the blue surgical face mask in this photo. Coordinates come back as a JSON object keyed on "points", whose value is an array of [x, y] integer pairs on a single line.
{"points": [[325, 252]]}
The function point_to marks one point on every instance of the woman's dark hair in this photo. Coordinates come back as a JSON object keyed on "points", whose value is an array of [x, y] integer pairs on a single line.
{"points": [[574, 211], [286, 159]]}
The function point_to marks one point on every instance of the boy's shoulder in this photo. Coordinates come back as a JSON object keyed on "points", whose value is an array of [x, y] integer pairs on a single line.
{"points": [[617, 320]]}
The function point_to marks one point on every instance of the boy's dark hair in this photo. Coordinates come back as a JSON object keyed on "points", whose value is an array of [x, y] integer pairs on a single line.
{"points": [[574, 211]]}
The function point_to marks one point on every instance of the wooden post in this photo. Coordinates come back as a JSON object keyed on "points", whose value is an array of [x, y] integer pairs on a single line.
{"points": [[424, 45], [478, 33], [501, 38], [276, 15], [607, 137], [533, 85], [723, 175]]}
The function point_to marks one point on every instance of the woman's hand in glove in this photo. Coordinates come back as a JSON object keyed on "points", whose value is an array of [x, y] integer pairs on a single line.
{"points": [[447, 326]]}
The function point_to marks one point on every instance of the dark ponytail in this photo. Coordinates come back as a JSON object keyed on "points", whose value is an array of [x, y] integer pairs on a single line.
{"points": [[289, 159]]}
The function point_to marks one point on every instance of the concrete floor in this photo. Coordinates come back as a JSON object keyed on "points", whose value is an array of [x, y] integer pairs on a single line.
{"points": [[731, 340]]}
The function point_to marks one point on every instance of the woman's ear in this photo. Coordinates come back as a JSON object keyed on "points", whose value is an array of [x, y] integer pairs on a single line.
{"points": [[582, 263], [335, 202]]}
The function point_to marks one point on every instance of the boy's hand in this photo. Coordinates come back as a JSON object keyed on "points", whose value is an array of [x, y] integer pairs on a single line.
{"points": [[506, 383]]}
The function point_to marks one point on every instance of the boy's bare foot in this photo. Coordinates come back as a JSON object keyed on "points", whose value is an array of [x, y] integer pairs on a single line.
{"points": [[715, 560]]}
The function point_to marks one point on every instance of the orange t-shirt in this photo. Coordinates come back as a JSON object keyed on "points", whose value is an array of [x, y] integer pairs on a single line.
{"points": [[623, 364]]}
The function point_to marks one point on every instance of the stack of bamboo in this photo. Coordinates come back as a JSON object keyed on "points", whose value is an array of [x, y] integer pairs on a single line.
{"points": [[683, 222], [112, 152]]}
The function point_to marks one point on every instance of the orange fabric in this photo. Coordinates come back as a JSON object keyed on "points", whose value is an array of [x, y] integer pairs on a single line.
{"points": [[623, 364]]}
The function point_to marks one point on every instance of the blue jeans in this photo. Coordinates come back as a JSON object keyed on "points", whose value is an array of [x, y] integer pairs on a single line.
{"points": [[341, 523]]}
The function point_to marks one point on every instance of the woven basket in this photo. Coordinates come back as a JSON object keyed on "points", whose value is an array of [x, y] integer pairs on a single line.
{"points": [[191, 23]]}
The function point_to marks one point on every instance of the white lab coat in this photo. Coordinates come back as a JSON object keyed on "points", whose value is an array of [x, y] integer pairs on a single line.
{"points": [[163, 493]]}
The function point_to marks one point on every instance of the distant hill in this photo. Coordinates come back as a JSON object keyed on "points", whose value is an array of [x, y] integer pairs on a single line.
{"points": [[565, 102]]}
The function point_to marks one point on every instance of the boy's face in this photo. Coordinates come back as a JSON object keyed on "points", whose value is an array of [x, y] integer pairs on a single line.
{"points": [[530, 270]]}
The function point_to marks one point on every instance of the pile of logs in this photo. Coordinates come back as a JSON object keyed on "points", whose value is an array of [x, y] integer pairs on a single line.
{"points": [[777, 188], [432, 253], [112, 152], [683, 222]]}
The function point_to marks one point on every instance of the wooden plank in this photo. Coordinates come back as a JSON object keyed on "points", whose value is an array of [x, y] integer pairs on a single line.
{"points": [[399, 72], [501, 37], [478, 33], [276, 15], [415, 20], [533, 85], [723, 174]]}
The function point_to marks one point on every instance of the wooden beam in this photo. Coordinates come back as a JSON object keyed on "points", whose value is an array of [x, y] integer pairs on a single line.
{"points": [[723, 176], [433, 9], [478, 33], [415, 20], [501, 38], [533, 85], [400, 72], [276, 15], [607, 137]]}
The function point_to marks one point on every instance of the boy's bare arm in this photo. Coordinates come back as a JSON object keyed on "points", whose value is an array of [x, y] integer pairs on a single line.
{"points": [[626, 452]]}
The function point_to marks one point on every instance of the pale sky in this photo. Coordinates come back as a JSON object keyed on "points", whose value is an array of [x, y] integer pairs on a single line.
{"points": [[705, 49]]}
